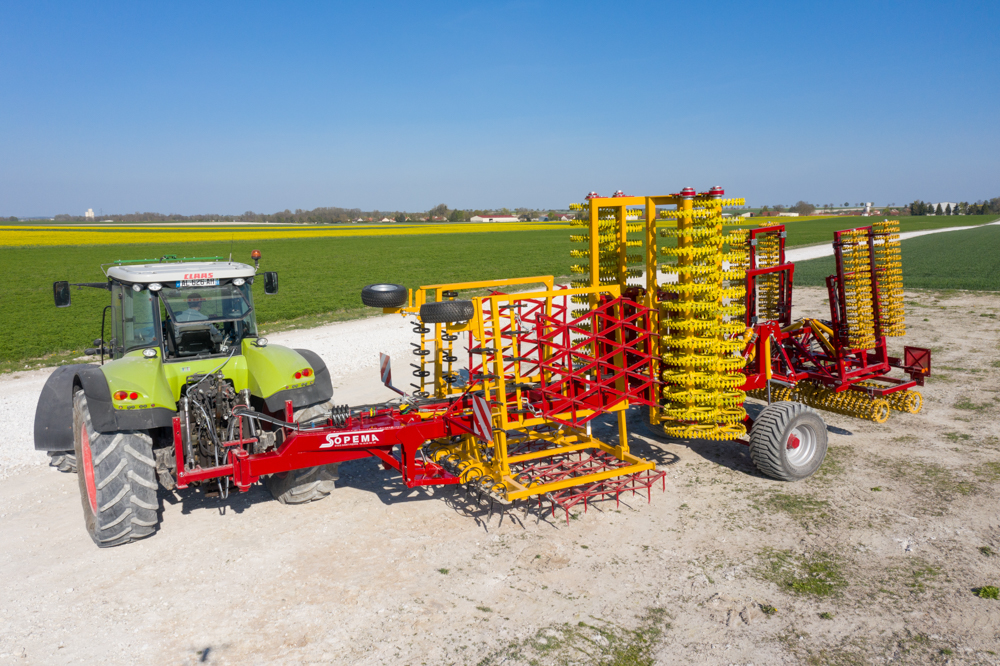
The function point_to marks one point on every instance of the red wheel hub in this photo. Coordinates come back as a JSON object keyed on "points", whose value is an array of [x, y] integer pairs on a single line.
{"points": [[88, 468], [793, 442]]}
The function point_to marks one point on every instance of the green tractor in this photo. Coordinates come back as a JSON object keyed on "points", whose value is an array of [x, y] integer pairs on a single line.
{"points": [[183, 342]]}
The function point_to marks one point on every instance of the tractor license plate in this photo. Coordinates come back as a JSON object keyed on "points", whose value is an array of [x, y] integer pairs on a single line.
{"points": [[197, 283]]}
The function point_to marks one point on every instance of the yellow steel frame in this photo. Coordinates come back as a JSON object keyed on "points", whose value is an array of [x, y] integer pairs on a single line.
{"points": [[466, 454], [620, 206], [650, 223]]}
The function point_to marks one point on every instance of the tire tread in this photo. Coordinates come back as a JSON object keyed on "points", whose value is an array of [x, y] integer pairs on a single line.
{"points": [[766, 439], [309, 484], [124, 481]]}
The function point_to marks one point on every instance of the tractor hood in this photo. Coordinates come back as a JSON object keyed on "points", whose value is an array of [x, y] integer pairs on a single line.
{"points": [[272, 375]]}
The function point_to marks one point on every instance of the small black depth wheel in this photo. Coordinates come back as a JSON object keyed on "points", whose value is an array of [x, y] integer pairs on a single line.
{"points": [[117, 475], [384, 295], [788, 441], [446, 312], [309, 484]]}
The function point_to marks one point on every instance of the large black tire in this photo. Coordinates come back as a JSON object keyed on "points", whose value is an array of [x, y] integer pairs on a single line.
{"points": [[310, 483], [117, 475], [64, 461], [384, 295], [788, 441], [446, 312]]}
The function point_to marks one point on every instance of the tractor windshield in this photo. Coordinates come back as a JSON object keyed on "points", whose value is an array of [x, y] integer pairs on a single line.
{"points": [[206, 320]]}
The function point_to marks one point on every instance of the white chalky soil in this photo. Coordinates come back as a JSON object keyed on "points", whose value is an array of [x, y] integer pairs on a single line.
{"points": [[379, 574]]}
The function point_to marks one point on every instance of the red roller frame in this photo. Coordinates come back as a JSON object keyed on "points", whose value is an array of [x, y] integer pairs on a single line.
{"points": [[798, 355]]}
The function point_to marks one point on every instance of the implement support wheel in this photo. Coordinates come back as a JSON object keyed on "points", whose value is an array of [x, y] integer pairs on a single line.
{"points": [[788, 441], [446, 312], [384, 295]]}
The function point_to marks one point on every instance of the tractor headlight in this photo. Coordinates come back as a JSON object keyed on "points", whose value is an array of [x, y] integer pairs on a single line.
{"points": [[137, 287], [149, 353], [239, 282], [261, 342], [155, 286]]}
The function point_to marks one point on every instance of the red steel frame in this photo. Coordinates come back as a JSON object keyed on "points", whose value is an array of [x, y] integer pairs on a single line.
{"points": [[798, 354], [577, 463], [374, 434], [578, 381]]}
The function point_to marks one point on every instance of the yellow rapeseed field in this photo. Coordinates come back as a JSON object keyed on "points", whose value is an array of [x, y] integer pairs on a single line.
{"points": [[42, 235], [784, 220]]}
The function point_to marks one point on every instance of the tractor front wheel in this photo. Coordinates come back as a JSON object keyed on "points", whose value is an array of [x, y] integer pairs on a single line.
{"points": [[64, 461], [788, 441], [309, 484], [117, 475]]}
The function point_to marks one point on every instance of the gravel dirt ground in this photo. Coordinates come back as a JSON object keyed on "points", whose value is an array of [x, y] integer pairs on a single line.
{"points": [[873, 560]]}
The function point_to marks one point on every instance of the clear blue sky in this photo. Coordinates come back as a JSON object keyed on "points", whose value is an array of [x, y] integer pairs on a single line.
{"points": [[228, 107]]}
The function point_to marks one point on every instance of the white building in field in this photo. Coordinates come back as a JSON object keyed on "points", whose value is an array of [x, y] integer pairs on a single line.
{"points": [[494, 218], [944, 207], [89, 215]]}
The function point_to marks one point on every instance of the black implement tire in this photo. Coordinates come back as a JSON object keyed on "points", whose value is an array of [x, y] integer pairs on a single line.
{"points": [[310, 483], [384, 295], [446, 312], [788, 441], [64, 461], [117, 475]]}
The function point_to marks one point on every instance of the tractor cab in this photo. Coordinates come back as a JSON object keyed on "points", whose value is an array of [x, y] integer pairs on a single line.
{"points": [[188, 310]]}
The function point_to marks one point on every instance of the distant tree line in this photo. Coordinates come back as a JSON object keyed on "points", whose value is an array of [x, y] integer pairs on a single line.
{"points": [[981, 207], [328, 215], [802, 208]]}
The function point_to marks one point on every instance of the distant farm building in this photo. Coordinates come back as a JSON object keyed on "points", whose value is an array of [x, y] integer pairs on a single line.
{"points": [[494, 218], [89, 214], [944, 206]]}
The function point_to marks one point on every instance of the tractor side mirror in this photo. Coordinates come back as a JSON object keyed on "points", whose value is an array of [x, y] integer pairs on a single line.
{"points": [[60, 291], [270, 282]]}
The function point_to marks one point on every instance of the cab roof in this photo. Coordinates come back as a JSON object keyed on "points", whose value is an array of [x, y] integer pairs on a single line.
{"points": [[174, 271]]}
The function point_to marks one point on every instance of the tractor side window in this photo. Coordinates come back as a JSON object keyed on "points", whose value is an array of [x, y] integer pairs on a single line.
{"points": [[248, 327], [116, 320], [138, 323]]}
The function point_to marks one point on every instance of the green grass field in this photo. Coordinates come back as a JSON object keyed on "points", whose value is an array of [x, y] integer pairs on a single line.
{"points": [[813, 232], [321, 278], [953, 260]]}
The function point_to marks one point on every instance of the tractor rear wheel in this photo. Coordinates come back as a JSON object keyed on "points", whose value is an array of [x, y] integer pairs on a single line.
{"points": [[788, 441], [117, 475], [300, 486]]}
